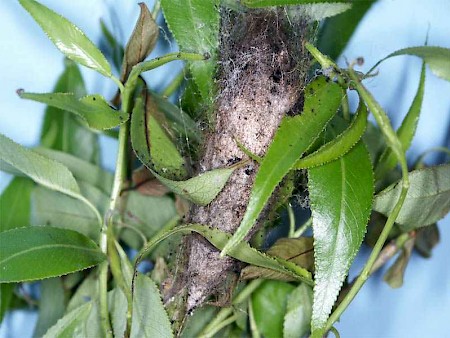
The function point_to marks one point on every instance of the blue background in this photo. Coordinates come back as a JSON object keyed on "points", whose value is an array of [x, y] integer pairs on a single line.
{"points": [[421, 308]]}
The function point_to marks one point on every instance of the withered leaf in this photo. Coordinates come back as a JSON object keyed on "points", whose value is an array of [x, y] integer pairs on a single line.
{"points": [[394, 276], [142, 41]]}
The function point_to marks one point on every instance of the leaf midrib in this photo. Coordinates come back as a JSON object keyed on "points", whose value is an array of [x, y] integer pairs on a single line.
{"points": [[46, 247]]}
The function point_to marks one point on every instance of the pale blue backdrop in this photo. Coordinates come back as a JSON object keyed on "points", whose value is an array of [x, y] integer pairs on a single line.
{"points": [[421, 308]]}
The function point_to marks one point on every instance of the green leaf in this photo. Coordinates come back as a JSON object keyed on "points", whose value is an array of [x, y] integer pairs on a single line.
{"points": [[68, 38], [198, 321], [149, 317], [337, 31], [92, 325], [51, 305], [406, 131], [341, 197], [296, 250], [427, 200], [318, 11], [62, 130], [374, 141], [49, 173], [269, 307], [81, 169], [142, 40], [58, 210], [298, 312], [41, 252], [394, 276], [243, 251], [148, 214], [438, 58], [117, 303], [6, 295], [15, 204], [195, 26], [151, 143], [85, 292], [201, 189], [93, 109], [340, 145], [180, 122], [292, 139], [68, 325], [120, 301], [269, 3]]}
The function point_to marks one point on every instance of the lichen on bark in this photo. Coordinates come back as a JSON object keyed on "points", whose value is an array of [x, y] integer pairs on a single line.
{"points": [[261, 75]]}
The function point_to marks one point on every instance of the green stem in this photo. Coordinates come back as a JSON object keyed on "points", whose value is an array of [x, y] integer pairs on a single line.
{"points": [[291, 220], [119, 179], [335, 332], [389, 251], [219, 327], [172, 223], [345, 107], [145, 66], [225, 312], [118, 83], [253, 327], [394, 143], [103, 300], [302, 228]]}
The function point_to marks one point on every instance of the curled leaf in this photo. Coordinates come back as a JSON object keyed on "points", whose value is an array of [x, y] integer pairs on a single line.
{"points": [[394, 276], [142, 41], [340, 145], [406, 131], [201, 189], [243, 252], [438, 58], [93, 109], [151, 143]]}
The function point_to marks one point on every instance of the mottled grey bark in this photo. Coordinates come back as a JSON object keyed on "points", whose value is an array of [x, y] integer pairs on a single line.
{"points": [[262, 72]]}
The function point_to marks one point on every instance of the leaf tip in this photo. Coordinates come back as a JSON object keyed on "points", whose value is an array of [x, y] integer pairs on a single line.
{"points": [[20, 92]]}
